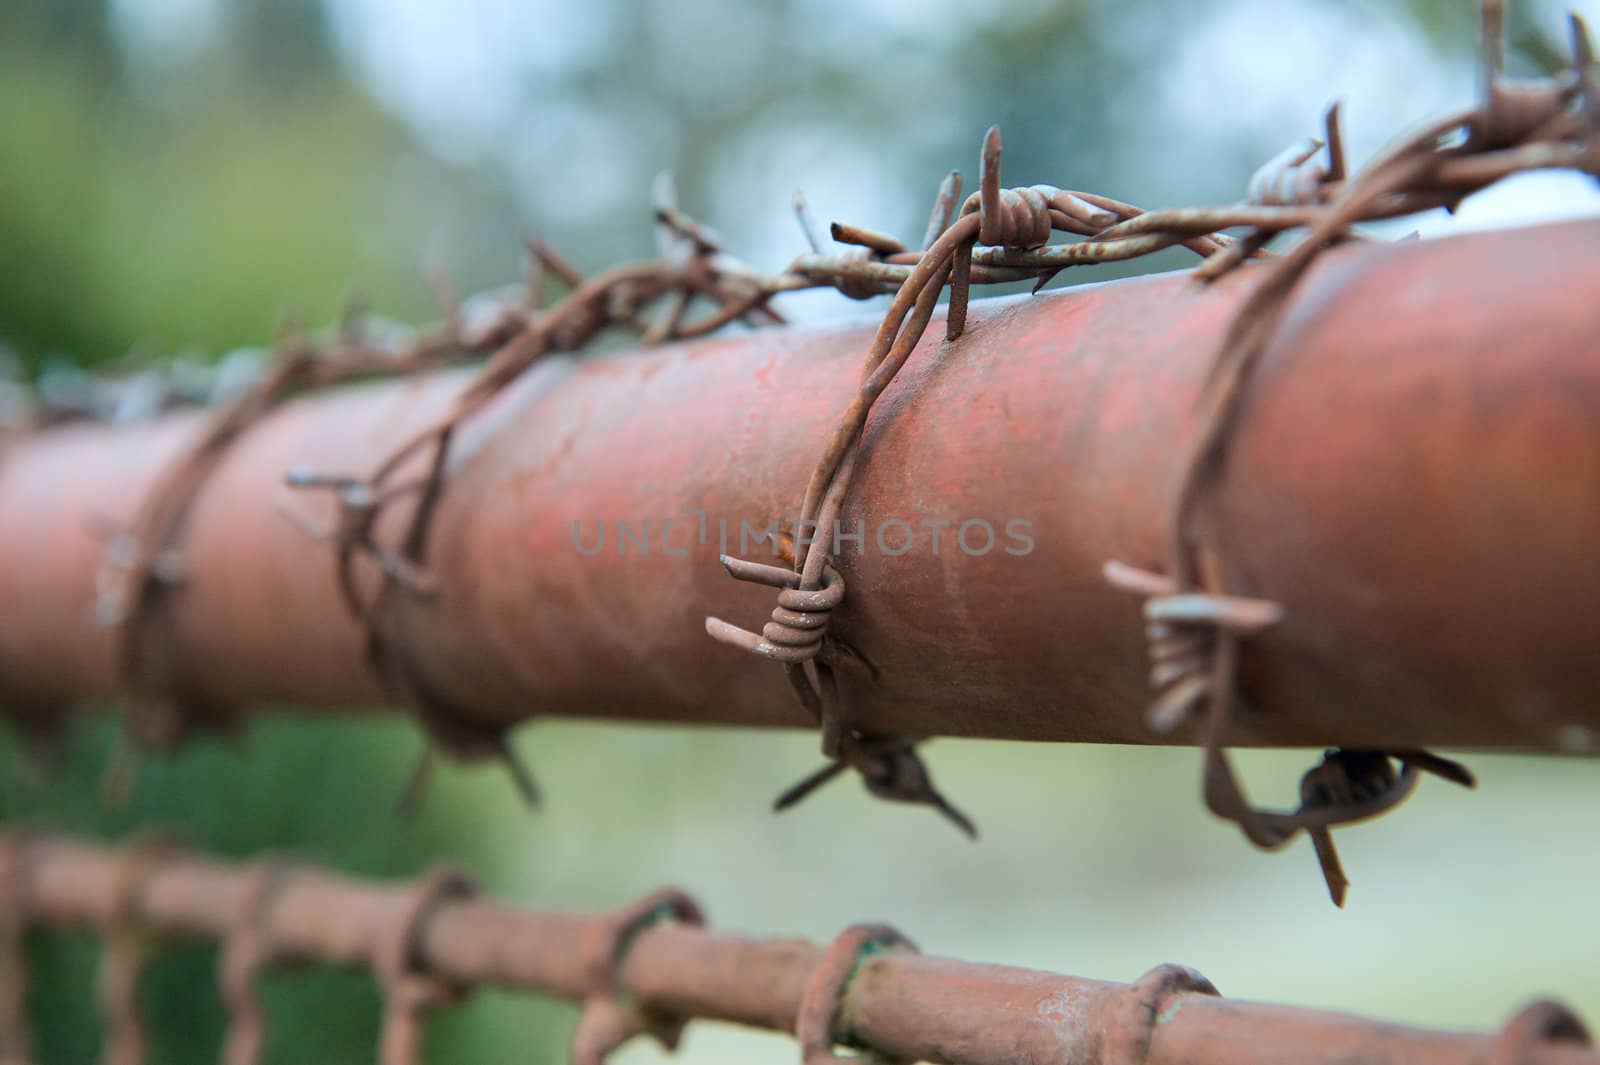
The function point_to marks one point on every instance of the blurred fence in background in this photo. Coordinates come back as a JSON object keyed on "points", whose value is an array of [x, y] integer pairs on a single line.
{"points": [[648, 968]]}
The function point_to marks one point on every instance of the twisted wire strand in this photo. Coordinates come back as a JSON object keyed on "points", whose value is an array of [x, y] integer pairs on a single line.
{"points": [[816, 1025], [611, 1017], [410, 992], [1008, 221], [1194, 626], [142, 568]]}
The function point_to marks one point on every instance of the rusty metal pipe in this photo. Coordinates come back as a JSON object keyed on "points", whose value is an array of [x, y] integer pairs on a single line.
{"points": [[909, 1007], [1416, 480]]}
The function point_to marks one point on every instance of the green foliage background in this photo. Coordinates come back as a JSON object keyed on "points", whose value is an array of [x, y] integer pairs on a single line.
{"points": [[151, 205]]}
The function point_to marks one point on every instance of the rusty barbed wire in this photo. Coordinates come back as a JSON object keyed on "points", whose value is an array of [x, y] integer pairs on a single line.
{"points": [[434, 939], [143, 563], [798, 632], [65, 394], [1192, 625], [653, 300]]}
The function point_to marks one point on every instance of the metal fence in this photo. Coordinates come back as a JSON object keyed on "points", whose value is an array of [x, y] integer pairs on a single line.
{"points": [[649, 967], [431, 941]]}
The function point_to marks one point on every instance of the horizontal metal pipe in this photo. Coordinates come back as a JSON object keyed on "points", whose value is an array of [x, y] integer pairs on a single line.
{"points": [[908, 1007], [1415, 478]]}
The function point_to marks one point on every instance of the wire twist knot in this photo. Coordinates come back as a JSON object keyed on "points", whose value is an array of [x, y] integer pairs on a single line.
{"points": [[799, 623], [817, 1025], [1143, 1006], [1193, 650], [611, 1016], [409, 990]]}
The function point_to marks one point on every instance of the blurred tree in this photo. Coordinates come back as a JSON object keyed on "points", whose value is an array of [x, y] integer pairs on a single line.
{"points": [[281, 45]]}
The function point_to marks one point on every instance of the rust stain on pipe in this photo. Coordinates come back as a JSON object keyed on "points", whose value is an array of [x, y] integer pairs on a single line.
{"points": [[1416, 480]]}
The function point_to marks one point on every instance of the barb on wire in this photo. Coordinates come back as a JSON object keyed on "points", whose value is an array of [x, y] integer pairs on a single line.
{"points": [[1348, 786], [653, 300], [353, 531], [1195, 626], [1015, 224], [143, 570], [143, 567]]}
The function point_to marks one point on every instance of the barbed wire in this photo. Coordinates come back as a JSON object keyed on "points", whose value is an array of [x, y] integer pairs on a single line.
{"points": [[1196, 624], [651, 967], [143, 562]]}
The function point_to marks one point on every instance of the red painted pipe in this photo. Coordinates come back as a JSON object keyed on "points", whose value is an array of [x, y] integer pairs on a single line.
{"points": [[1416, 479]]}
